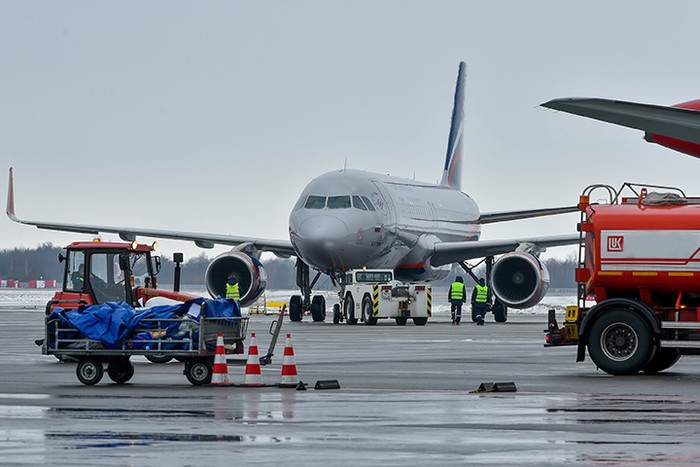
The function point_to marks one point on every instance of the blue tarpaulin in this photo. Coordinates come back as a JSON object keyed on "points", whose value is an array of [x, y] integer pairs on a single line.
{"points": [[112, 322]]}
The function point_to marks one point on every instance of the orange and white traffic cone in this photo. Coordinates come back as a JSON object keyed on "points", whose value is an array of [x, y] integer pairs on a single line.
{"points": [[289, 366], [220, 373], [253, 374]]}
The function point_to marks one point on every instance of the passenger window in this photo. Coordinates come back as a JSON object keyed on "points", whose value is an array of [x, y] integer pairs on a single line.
{"points": [[315, 202], [357, 203], [368, 203], [338, 202]]}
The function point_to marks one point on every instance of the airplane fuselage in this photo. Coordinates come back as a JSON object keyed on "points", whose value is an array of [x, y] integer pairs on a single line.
{"points": [[349, 219]]}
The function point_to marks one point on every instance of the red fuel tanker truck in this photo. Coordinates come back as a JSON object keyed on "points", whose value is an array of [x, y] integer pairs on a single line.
{"points": [[638, 280]]}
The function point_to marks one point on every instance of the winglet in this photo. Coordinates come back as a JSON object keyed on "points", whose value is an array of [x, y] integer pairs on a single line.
{"points": [[452, 174], [11, 199]]}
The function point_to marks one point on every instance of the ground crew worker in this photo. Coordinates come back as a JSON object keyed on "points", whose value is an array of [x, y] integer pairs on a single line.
{"points": [[78, 278], [457, 296], [232, 292], [481, 297]]}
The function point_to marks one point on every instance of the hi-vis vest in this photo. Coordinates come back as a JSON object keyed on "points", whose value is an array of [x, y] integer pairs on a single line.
{"points": [[232, 292], [456, 291], [482, 293]]}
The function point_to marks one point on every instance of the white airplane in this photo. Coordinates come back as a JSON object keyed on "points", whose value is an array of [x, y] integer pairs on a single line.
{"points": [[350, 219]]}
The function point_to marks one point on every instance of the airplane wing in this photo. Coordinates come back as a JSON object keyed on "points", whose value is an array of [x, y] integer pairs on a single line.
{"points": [[503, 216], [453, 252], [202, 240], [674, 122]]}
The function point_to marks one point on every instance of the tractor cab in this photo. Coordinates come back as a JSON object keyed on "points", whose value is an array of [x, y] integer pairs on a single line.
{"points": [[98, 272]]}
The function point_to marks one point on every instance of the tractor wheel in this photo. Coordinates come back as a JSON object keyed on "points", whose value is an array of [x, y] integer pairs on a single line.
{"points": [[349, 310], [337, 315], [367, 310]]}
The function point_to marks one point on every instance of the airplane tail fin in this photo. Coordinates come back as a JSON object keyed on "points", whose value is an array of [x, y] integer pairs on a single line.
{"points": [[452, 174]]}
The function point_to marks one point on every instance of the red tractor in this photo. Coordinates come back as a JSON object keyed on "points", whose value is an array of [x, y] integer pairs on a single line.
{"points": [[98, 272]]}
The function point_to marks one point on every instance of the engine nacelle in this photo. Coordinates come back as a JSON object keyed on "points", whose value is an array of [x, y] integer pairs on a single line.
{"points": [[519, 280], [252, 278]]}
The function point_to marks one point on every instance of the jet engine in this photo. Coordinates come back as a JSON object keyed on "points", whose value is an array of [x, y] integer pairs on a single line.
{"points": [[249, 272], [519, 279]]}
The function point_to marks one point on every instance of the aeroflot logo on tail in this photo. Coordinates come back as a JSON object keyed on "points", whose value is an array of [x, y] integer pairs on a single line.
{"points": [[615, 242]]}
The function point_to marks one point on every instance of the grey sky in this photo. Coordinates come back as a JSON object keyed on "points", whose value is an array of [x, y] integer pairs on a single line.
{"points": [[212, 116]]}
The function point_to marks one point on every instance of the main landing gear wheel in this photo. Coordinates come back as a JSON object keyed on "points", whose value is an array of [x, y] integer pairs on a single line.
{"points": [[120, 371], [318, 308], [367, 310], [336, 313], [420, 321], [401, 320], [198, 372], [295, 313], [89, 371], [158, 358], [349, 310], [662, 360], [620, 342]]}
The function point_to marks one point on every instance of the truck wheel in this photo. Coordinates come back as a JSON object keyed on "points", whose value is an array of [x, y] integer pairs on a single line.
{"points": [[198, 372], [120, 371], [401, 320], [158, 358], [295, 313], [367, 309], [662, 359], [318, 308], [349, 310], [620, 342], [336, 313], [500, 312], [420, 321], [89, 371]]}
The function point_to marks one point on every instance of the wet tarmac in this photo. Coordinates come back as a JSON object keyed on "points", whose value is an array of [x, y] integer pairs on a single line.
{"points": [[405, 399]]}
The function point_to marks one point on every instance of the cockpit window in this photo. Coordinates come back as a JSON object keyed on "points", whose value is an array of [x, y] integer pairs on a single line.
{"points": [[315, 202], [338, 202], [368, 203], [357, 203], [300, 203]]}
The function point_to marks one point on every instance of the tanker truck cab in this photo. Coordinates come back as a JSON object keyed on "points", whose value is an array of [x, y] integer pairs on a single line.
{"points": [[98, 272], [372, 294]]}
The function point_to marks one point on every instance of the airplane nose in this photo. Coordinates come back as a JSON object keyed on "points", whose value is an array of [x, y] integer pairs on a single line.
{"points": [[321, 240], [323, 229]]}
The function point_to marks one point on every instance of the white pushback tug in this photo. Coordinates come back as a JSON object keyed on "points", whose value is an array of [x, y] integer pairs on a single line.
{"points": [[371, 294]]}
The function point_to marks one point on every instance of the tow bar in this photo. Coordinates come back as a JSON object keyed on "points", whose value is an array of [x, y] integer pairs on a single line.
{"points": [[274, 330]]}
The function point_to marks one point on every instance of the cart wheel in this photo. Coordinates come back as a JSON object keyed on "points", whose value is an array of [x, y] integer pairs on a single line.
{"points": [[159, 358], [198, 372], [89, 371], [401, 320], [120, 371]]}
